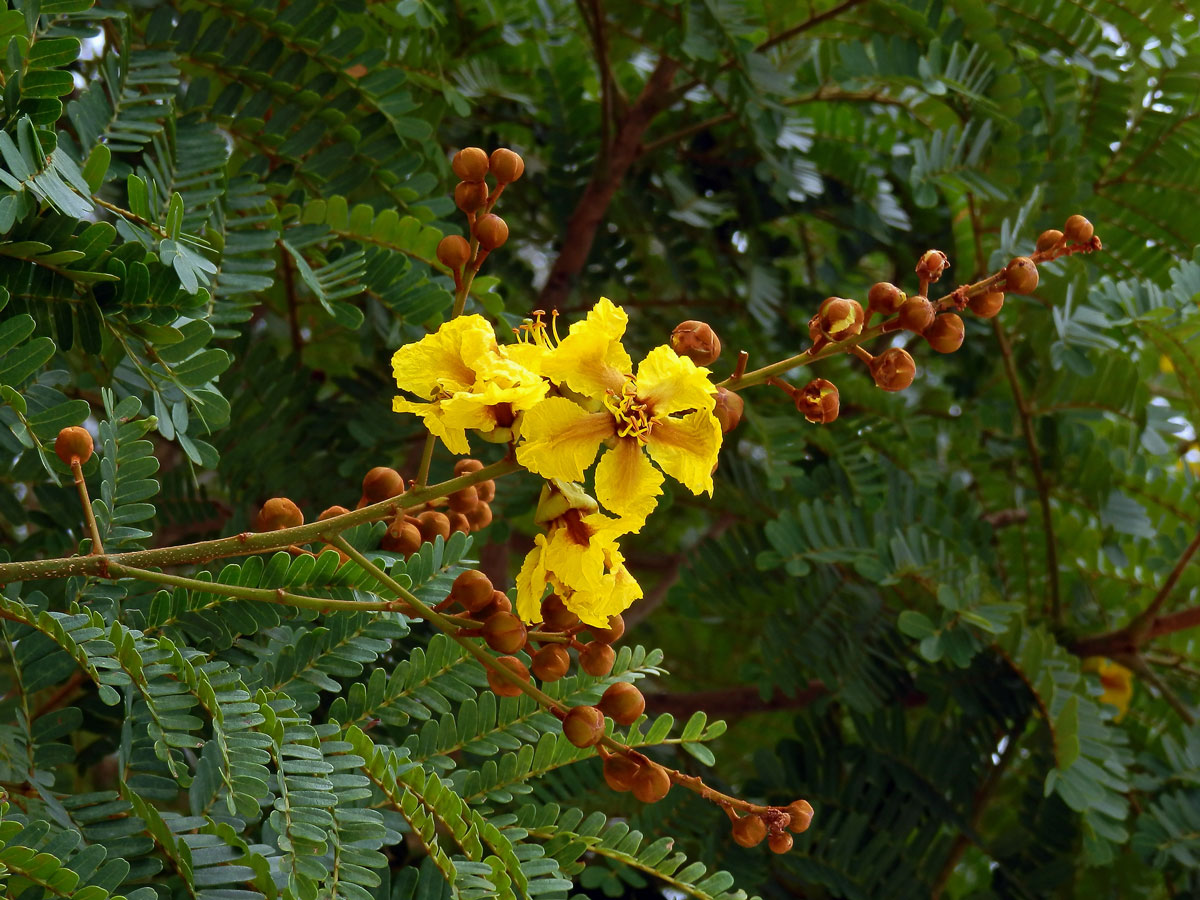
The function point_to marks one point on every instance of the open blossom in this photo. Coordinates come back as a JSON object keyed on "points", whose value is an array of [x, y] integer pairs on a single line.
{"points": [[665, 410], [464, 382], [577, 558], [1116, 680]]}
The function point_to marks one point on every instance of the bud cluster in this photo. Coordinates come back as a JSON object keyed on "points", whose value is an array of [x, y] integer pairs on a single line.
{"points": [[467, 510], [472, 195]]}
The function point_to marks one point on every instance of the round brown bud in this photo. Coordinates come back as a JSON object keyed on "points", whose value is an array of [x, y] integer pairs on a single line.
{"points": [[780, 842], [470, 163], [453, 251], [616, 628], [893, 369], [432, 524], [470, 196], [556, 615], [728, 409], [841, 318], [332, 512], [480, 517], [277, 513], [74, 443], [464, 500], [623, 703], [885, 298], [491, 231], [819, 401], [916, 314], [987, 305], [945, 335], [467, 466], [382, 483], [651, 783], [1048, 240], [402, 537], [597, 659], [504, 632], [500, 603], [697, 341], [584, 726], [500, 685], [932, 264], [801, 812], [749, 831], [472, 589], [507, 165], [459, 522], [552, 662], [486, 491], [1078, 230], [1021, 276], [620, 771]]}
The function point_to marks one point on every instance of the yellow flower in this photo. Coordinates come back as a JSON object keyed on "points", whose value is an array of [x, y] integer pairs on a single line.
{"points": [[577, 558], [667, 410], [1116, 680], [467, 382]]}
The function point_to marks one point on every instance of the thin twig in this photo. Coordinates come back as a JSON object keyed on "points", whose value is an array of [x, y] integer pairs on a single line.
{"points": [[86, 502]]}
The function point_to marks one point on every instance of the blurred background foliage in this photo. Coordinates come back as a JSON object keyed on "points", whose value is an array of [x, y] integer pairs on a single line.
{"points": [[228, 210]]}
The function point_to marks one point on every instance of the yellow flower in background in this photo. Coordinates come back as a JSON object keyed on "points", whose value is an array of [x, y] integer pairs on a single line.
{"points": [[577, 558], [1116, 680], [464, 382], [665, 410]]}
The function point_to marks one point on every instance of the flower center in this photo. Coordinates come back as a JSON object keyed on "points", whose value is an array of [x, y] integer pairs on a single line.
{"points": [[632, 415], [534, 331]]}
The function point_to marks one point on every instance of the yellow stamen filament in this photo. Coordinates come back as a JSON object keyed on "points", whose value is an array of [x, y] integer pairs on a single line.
{"points": [[634, 418]]}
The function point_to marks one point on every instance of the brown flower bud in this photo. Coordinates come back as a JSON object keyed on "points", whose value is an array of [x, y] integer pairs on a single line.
{"points": [[500, 603], [616, 628], [432, 524], [893, 369], [74, 443], [596, 659], [470, 163], [819, 401], [491, 231], [332, 512], [885, 298], [987, 305], [500, 685], [467, 466], [453, 250], [459, 522], [651, 783], [504, 632], [278, 513], [623, 703], [470, 196], [1021, 276], [507, 165], [749, 831], [402, 537], [697, 341], [381, 483], [472, 589], [781, 842], [932, 264], [556, 615], [464, 500], [584, 726], [1049, 239], [620, 771], [945, 335], [552, 662], [480, 517], [801, 812], [728, 409], [1078, 230], [841, 318], [916, 314], [486, 491]]}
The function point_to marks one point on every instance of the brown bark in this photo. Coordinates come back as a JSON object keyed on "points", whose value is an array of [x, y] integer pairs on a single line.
{"points": [[610, 172]]}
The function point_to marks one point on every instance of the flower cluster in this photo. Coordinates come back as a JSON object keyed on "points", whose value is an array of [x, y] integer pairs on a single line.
{"points": [[559, 401]]}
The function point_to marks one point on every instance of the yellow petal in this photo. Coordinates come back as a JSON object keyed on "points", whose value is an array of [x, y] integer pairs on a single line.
{"points": [[617, 593], [454, 437], [627, 484], [670, 383], [590, 359], [560, 440], [477, 408], [531, 583], [687, 449], [445, 359], [579, 566]]}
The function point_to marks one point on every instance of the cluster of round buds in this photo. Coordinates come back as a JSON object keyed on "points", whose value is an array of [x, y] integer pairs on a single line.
{"points": [[773, 825], [472, 195], [647, 780], [466, 510]]}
